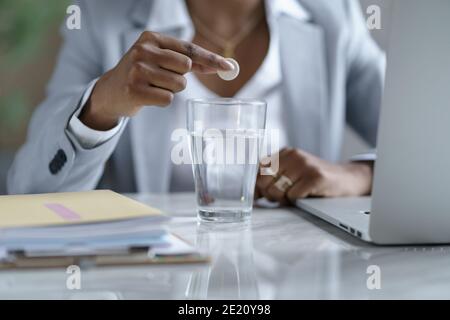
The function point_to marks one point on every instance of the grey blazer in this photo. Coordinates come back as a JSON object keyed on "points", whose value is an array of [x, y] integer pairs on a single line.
{"points": [[332, 74]]}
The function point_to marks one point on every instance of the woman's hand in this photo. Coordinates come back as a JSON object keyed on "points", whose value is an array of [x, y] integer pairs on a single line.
{"points": [[302, 175], [149, 74]]}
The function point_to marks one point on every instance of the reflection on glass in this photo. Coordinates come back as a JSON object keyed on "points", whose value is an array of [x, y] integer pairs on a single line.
{"points": [[232, 273]]}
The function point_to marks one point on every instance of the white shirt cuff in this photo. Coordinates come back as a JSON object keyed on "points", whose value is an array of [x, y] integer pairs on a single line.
{"points": [[89, 138], [367, 156]]}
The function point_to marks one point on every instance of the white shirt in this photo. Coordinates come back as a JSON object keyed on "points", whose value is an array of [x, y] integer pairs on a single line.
{"points": [[266, 84]]}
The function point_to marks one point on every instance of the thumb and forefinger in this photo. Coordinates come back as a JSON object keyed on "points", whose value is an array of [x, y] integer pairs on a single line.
{"points": [[203, 60]]}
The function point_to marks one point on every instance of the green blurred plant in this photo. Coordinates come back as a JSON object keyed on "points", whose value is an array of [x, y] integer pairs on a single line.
{"points": [[24, 25], [13, 110]]}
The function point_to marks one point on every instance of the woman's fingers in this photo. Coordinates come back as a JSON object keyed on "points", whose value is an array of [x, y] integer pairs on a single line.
{"points": [[162, 78], [196, 53], [279, 188], [145, 95], [257, 195], [303, 188], [296, 179], [200, 68], [263, 182], [304, 175], [174, 61], [266, 183], [147, 75]]}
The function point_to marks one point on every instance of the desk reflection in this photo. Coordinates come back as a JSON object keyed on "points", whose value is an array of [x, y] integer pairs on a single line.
{"points": [[404, 273], [283, 254], [231, 274]]}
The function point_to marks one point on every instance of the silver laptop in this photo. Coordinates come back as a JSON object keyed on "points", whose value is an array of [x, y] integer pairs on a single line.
{"points": [[410, 201]]}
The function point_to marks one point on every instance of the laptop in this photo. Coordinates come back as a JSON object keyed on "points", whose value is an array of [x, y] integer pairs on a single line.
{"points": [[410, 201]]}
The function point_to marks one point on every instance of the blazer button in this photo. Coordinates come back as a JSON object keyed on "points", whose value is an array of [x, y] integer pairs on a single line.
{"points": [[61, 156], [57, 162], [54, 168]]}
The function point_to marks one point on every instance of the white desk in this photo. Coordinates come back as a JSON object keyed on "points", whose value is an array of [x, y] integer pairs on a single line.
{"points": [[283, 254]]}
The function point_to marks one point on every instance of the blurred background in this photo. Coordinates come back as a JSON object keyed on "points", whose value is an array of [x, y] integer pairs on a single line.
{"points": [[29, 42]]}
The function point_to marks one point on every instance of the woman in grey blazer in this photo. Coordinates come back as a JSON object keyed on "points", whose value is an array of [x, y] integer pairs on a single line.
{"points": [[313, 59]]}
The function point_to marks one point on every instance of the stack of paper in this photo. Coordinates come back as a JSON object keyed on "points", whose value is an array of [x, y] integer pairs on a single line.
{"points": [[90, 223]]}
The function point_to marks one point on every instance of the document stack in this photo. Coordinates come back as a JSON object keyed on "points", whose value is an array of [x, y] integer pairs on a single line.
{"points": [[95, 227]]}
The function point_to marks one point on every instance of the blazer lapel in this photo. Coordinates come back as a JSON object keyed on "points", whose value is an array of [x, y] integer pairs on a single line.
{"points": [[303, 63], [150, 140], [150, 130]]}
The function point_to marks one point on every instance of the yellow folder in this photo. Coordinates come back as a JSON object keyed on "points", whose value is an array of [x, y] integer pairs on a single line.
{"points": [[69, 208]]}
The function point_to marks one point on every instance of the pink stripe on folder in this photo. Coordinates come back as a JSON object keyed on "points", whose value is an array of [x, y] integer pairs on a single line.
{"points": [[63, 212]]}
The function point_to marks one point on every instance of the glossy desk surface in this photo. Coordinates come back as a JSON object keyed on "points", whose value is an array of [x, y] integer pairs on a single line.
{"points": [[281, 254]]}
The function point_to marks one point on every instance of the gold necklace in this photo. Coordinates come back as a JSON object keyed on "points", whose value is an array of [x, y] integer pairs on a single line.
{"points": [[228, 45]]}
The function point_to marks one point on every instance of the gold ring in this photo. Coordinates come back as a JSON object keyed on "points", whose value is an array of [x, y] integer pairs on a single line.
{"points": [[267, 171], [283, 183]]}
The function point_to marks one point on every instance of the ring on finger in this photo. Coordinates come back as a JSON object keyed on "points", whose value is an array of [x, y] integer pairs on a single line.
{"points": [[267, 171], [283, 183]]}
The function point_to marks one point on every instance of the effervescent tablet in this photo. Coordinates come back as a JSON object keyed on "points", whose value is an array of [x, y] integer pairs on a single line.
{"points": [[231, 74]]}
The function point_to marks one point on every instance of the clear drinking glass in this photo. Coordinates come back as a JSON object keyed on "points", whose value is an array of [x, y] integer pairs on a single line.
{"points": [[226, 137]]}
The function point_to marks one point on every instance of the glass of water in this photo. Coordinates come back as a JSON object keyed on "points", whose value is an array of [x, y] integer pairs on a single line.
{"points": [[226, 137]]}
